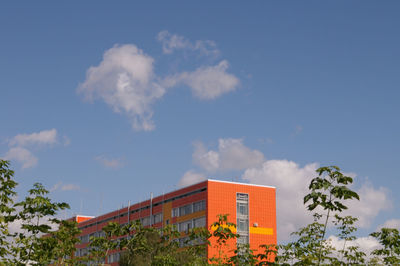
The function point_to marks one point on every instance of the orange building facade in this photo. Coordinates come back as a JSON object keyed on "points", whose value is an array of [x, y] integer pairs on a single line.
{"points": [[251, 207]]}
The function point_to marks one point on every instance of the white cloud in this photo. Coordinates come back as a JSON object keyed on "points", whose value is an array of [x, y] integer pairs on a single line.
{"points": [[21, 155], [42, 137], [392, 223], [372, 201], [18, 146], [209, 160], [365, 244], [126, 82], [64, 187], [207, 82], [125, 79], [171, 42], [291, 182], [232, 154], [110, 163], [16, 225], [190, 178]]}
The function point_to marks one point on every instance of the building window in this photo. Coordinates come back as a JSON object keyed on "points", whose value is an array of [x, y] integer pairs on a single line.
{"points": [[85, 239], [175, 212], [185, 210], [188, 209], [157, 218], [243, 225], [199, 206], [243, 208], [242, 215], [199, 222], [83, 252], [243, 240], [185, 226], [113, 258], [145, 221]]}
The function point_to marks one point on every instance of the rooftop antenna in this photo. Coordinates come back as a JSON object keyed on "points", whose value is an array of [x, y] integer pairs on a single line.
{"points": [[151, 209], [162, 206], [101, 204], [80, 211], [129, 205]]}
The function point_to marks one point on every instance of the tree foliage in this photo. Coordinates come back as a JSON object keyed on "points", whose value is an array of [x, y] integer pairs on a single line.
{"points": [[389, 238], [43, 239], [329, 190]]}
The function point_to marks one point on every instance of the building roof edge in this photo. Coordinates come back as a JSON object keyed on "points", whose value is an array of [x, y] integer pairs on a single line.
{"points": [[239, 183]]}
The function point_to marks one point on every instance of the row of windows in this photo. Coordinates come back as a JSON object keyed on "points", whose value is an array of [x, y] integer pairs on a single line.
{"points": [[144, 208], [145, 221], [86, 238], [185, 226], [189, 208]]}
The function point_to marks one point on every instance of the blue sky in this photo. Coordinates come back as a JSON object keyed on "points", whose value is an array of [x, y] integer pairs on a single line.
{"points": [[106, 102]]}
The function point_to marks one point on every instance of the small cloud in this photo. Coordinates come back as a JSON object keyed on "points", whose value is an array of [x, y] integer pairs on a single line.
{"points": [[171, 42], [190, 178], [207, 83], [64, 187], [125, 81], [365, 244], [110, 163], [231, 154], [42, 137], [23, 156], [20, 143]]}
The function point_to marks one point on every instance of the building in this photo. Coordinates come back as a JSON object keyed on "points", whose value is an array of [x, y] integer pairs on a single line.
{"points": [[251, 207]]}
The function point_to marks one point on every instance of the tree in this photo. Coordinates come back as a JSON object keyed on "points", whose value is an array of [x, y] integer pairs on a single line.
{"points": [[100, 246], [150, 246], [329, 190], [349, 255], [37, 218], [389, 238], [65, 238], [269, 257], [7, 192], [42, 238], [222, 232], [243, 255], [309, 249]]}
